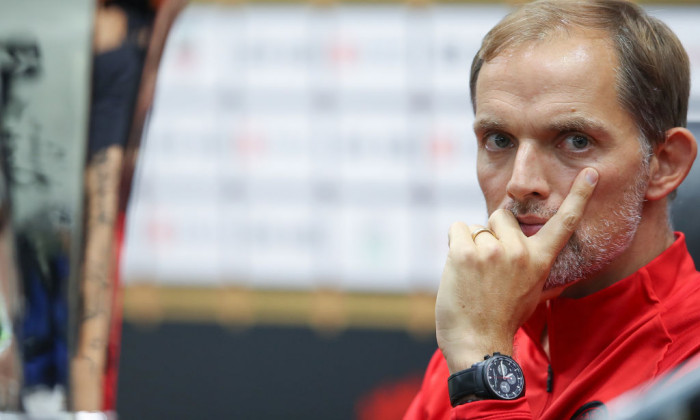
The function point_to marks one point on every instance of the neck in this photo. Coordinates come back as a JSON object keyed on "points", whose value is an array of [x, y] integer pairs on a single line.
{"points": [[654, 235]]}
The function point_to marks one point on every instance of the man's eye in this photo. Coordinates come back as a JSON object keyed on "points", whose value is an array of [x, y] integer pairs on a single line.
{"points": [[577, 142], [497, 141]]}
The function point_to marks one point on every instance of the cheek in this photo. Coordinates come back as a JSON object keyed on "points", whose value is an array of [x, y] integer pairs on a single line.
{"points": [[493, 186], [607, 195]]}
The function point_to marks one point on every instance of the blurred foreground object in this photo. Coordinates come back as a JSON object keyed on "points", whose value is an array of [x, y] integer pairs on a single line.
{"points": [[675, 396], [59, 334], [128, 43], [42, 145]]}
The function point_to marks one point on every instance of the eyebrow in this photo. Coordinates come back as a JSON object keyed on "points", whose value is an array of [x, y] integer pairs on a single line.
{"points": [[560, 125], [488, 124], [576, 123]]}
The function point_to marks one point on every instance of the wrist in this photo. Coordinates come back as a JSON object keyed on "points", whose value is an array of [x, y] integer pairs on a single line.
{"points": [[462, 355], [458, 361]]}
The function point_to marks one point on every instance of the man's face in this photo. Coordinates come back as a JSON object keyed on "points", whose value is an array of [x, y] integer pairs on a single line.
{"points": [[545, 111]]}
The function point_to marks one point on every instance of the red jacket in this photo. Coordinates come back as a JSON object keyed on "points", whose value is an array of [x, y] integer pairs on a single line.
{"points": [[601, 345]]}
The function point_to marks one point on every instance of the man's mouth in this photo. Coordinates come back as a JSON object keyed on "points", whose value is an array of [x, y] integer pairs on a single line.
{"points": [[530, 224]]}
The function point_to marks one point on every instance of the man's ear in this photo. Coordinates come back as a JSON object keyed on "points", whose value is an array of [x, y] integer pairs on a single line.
{"points": [[671, 163]]}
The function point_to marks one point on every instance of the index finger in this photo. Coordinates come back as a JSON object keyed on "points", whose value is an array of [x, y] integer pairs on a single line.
{"points": [[559, 228]]}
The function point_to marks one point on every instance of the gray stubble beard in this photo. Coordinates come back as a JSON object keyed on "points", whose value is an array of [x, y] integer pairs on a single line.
{"points": [[593, 247]]}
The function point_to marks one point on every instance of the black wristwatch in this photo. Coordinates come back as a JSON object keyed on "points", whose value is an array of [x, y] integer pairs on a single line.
{"points": [[497, 377]]}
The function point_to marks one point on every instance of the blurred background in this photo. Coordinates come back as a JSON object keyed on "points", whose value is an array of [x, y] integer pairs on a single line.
{"points": [[298, 173]]}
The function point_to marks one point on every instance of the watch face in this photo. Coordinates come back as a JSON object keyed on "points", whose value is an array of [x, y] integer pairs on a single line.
{"points": [[504, 377]]}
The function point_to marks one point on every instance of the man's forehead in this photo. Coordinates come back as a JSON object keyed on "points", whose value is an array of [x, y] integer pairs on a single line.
{"points": [[578, 64], [573, 48]]}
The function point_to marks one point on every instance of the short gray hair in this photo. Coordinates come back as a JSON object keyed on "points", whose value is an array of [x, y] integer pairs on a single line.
{"points": [[653, 76]]}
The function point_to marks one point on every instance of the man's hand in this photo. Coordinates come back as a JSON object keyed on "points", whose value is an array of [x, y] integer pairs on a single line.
{"points": [[492, 284]]}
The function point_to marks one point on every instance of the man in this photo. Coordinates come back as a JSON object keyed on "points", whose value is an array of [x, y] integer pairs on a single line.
{"points": [[578, 276]]}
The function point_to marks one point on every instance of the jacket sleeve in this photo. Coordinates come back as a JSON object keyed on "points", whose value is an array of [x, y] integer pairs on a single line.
{"points": [[493, 410], [433, 400]]}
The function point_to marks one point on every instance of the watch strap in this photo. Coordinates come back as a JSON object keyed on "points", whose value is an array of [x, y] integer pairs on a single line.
{"points": [[465, 383]]}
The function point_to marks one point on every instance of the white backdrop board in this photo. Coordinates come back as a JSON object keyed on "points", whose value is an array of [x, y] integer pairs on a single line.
{"points": [[298, 147]]}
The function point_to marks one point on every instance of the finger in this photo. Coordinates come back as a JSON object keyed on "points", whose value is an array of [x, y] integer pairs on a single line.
{"points": [[558, 229], [482, 233], [506, 226], [459, 237]]}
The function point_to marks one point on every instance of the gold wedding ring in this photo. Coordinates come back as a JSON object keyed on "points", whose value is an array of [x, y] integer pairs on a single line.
{"points": [[482, 230]]}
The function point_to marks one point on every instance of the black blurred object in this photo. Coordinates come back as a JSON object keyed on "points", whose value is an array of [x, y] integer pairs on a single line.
{"points": [[182, 371], [686, 207], [116, 79], [18, 58]]}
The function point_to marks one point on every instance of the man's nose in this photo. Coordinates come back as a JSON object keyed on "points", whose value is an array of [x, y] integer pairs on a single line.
{"points": [[528, 179]]}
